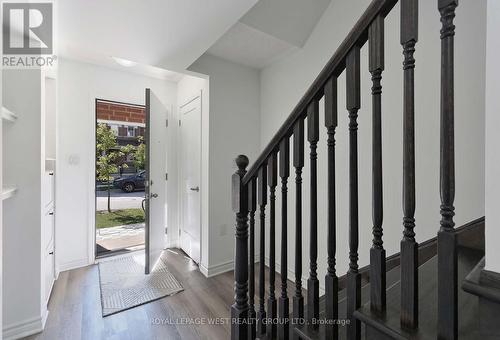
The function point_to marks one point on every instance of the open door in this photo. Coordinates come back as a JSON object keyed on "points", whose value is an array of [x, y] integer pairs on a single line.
{"points": [[190, 114], [155, 180]]}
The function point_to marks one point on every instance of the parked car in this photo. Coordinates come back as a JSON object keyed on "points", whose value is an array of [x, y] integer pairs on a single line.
{"points": [[131, 183]]}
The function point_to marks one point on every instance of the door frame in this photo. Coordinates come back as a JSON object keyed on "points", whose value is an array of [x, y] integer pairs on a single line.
{"points": [[179, 169], [92, 249]]}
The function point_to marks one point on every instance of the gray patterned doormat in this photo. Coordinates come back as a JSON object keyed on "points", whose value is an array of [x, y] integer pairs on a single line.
{"points": [[124, 284]]}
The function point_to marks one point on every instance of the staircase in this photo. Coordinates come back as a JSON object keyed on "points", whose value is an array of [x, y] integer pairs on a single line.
{"points": [[412, 296]]}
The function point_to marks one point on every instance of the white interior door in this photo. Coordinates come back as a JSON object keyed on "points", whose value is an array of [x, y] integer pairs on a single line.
{"points": [[190, 174], [155, 206]]}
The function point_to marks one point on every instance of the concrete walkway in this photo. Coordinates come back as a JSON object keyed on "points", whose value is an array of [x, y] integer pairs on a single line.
{"points": [[120, 237]]}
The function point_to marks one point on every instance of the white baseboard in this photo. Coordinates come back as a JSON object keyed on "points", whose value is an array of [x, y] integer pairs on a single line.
{"points": [[72, 265], [204, 270], [217, 269], [24, 328], [174, 243], [228, 266], [220, 268]]}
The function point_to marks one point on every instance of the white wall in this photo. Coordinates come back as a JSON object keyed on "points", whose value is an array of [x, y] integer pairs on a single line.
{"points": [[1, 209], [492, 137], [79, 85], [50, 118], [233, 129], [22, 158], [283, 84]]}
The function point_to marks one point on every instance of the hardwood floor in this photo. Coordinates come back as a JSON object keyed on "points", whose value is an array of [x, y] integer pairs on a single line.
{"points": [[75, 307]]}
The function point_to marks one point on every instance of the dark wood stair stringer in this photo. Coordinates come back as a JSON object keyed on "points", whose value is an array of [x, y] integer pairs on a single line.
{"points": [[470, 238], [388, 326]]}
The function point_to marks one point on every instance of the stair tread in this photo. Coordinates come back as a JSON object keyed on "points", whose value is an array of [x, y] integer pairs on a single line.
{"points": [[389, 323], [305, 332]]}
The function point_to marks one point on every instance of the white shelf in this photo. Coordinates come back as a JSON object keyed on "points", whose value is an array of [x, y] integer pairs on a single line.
{"points": [[8, 192], [8, 115]]}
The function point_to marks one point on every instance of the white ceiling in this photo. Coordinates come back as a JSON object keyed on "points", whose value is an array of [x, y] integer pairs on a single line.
{"points": [[269, 30], [248, 46], [170, 34], [288, 20]]}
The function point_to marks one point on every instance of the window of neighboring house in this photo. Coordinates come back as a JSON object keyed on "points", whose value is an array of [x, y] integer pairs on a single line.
{"points": [[140, 131], [131, 131], [122, 131]]}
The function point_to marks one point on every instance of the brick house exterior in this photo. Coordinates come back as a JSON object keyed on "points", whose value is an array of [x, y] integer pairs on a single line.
{"points": [[127, 121]]}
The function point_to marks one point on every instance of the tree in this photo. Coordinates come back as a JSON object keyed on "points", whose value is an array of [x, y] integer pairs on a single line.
{"points": [[140, 155], [108, 156]]}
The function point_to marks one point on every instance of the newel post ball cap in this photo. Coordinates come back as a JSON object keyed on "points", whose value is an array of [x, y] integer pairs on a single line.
{"points": [[242, 162]]}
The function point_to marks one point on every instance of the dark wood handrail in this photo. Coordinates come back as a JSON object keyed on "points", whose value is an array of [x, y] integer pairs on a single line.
{"points": [[369, 29], [335, 66]]}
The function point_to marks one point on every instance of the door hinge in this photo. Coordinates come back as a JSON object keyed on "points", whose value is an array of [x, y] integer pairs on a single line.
{"points": [[166, 123], [166, 177], [179, 122]]}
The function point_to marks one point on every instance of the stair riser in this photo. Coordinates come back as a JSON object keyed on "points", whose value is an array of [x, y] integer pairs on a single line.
{"points": [[374, 334], [488, 317]]}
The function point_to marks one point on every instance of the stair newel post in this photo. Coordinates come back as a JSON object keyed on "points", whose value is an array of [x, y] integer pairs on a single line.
{"points": [[447, 252], [331, 280], [239, 310], [353, 275], [252, 206], [409, 248], [283, 305], [262, 201], [298, 163], [377, 251], [312, 282], [272, 174]]}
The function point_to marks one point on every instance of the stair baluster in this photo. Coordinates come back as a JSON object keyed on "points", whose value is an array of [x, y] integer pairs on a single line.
{"points": [[298, 163], [409, 248], [272, 174], [252, 206], [264, 172], [312, 282], [239, 310], [377, 251], [284, 306], [331, 280], [447, 251], [262, 200], [353, 275]]}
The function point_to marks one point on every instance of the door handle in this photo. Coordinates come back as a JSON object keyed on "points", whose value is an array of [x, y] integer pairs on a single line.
{"points": [[195, 189], [153, 195]]}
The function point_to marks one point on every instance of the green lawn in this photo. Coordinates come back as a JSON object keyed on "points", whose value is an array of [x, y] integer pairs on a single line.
{"points": [[103, 219]]}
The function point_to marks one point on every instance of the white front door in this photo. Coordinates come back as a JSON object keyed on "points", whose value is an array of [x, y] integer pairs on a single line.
{"points": [[156, 114], [190, 175]]}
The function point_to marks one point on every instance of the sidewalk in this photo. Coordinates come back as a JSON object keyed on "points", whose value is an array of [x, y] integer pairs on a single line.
{"points": [[121, 237]]}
